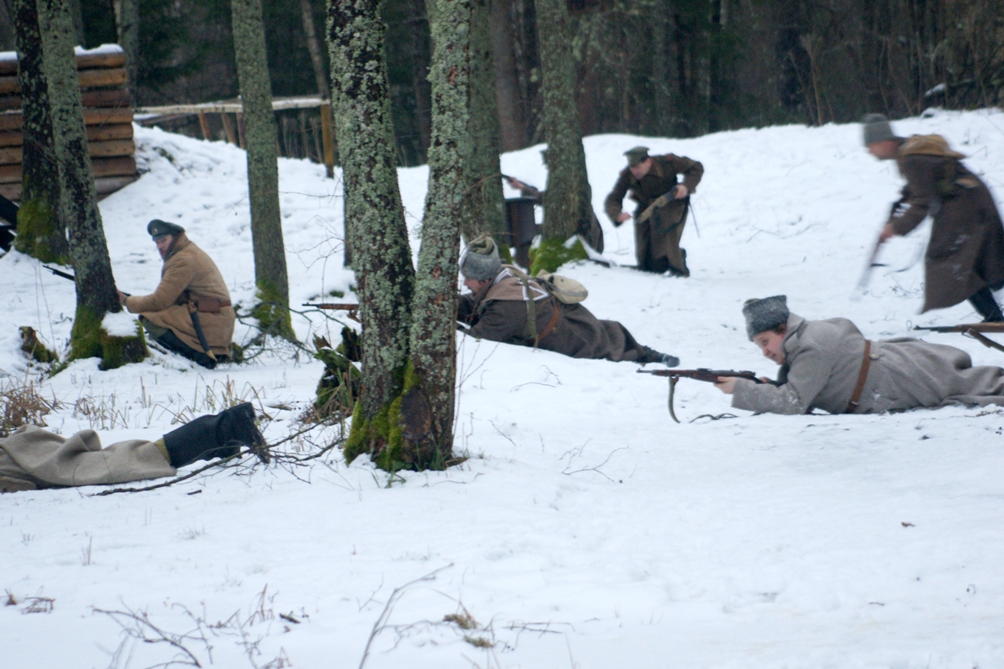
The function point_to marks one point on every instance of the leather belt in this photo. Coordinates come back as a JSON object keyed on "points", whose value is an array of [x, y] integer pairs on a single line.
{"points": [[862, 377]]}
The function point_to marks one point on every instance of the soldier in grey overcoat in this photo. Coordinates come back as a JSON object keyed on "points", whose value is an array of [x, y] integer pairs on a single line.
{"points": [[662, 207], [965, 256], [829, 365], [508, 306]]}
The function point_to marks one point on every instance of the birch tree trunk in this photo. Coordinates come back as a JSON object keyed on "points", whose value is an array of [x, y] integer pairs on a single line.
{"points": [[96, 294], [483, 207], [40, 231], [567, 200], [427, 406], [263, 172], [127, 24], [381, 254]]}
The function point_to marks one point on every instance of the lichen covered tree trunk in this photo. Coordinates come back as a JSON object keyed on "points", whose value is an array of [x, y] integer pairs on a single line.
{"points": [[263, 171], [427, 407], [483, 208], [381, 253], [40, 232], [96, 294], [567, 201]]}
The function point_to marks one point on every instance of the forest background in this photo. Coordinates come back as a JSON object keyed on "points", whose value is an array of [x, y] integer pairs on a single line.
{"points": [[676, 68]]}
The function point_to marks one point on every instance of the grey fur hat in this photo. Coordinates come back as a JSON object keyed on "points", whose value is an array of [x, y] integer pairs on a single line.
{"points": [[765, 314], [158, 228], [480, 260], [876, 129]]}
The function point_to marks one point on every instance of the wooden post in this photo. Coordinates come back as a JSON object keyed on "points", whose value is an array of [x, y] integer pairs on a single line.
{"points": [[240, 130], [204, 124], [228, 128], [328, 139]]}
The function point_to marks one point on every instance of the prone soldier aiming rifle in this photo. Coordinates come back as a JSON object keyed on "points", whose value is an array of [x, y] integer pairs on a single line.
{"points": [[700, 374]]}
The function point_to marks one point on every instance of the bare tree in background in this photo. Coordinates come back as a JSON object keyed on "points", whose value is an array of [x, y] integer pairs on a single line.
{"points": [[483, 208], [567, 201], [263, 172], [127, 26]]}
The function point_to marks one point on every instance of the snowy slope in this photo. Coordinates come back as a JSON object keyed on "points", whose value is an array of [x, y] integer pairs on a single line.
{"points": [[585, 529]]}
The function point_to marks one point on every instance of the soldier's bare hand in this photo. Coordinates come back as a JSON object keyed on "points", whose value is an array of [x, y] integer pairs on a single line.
{"points": [[726, 384], [887, 232], [623, 216], [681, 191]]}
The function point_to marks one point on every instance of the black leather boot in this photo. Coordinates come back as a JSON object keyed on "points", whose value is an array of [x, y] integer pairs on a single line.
{"points": [[986, 305], [217, 436]]}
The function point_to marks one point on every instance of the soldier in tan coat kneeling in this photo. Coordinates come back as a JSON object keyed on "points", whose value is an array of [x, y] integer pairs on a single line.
{"points": [[829, 365], [190, 312]]}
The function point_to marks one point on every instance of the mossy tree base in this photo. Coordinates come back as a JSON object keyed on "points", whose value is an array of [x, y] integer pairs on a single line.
{"points": [[399, 437], [119, 351], [88, 339], [272, 313], [553, 253]]}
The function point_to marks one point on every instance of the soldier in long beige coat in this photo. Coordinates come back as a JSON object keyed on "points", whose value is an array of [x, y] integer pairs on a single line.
{"points": [[189, 281], [506, 305], [32, 458], [829, 365], [662, 207], [965, 256]]}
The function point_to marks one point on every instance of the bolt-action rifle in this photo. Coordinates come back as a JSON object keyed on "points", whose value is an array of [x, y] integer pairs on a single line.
{"points": [[353, 309], [701, 374], [973, 330]]}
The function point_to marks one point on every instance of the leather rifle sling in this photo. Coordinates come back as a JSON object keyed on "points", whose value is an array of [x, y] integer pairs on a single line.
{"points": [[862, 377], [549, 328]]}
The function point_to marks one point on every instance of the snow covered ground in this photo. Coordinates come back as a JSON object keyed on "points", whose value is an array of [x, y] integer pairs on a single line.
{"points": [[585, 529]]}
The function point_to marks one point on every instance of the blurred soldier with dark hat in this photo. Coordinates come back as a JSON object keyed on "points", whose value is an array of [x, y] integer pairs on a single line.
{"points": [[508, 306], [965, 255], [190, 311], [653, 182]]}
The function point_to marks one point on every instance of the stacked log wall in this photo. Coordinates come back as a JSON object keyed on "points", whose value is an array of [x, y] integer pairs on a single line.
{"points": [[107, 115]]}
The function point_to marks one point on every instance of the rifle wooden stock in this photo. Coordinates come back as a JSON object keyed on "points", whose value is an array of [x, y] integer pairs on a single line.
{"points": [[975, 327], [702, 374]]}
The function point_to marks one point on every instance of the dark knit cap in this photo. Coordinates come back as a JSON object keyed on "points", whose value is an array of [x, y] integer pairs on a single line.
{"points": [[480, 260], [636, 155], [765, 314], [158, 228], [876, 129]]}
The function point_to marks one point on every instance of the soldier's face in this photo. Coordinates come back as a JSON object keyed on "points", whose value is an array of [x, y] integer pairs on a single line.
{"points": [[164, 244], [641, 169], [884, 150], [770, 344], [474, 285]]}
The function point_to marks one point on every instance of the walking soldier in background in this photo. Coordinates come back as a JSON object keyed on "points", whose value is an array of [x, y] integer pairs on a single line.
{"points": [[508, 306], [190, 312], [965, 256], [662, 207]]}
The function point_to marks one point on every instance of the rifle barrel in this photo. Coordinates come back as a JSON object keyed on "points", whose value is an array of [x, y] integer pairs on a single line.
{"points": [[332, 306], [60, 273]]}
